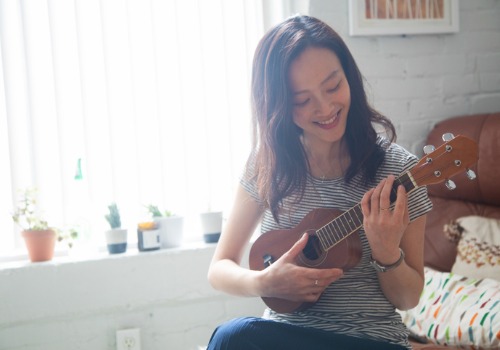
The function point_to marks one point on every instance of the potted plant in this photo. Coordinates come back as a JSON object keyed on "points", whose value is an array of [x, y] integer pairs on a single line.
{"points": [[69, 234], [171, 226], [40, 239], [116, 237]]}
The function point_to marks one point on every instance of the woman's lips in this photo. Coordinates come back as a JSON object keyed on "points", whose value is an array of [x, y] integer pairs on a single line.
{"points": [[330, 123]]}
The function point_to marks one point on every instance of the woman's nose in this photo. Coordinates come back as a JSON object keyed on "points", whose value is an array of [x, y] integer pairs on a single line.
{"points": [[323, 105]]}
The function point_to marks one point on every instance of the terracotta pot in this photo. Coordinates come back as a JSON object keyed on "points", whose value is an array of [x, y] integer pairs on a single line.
{"points": [[40, 244]]}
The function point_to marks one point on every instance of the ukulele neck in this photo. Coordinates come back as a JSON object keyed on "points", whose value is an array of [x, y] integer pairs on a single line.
{"points": [[352, 220]]}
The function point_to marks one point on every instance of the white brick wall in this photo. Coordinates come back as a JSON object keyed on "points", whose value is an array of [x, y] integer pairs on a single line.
{"points": [[415, 80], [64, 305]]}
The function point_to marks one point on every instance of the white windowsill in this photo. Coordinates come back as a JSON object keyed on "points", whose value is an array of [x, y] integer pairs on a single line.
{"points": [[20, 259]]}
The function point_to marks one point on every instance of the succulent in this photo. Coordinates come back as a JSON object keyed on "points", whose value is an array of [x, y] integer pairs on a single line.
{"points": [[113, 217], [69, 234], [156, 213]]}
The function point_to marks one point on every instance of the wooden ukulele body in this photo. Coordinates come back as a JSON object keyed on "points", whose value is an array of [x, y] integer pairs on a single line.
{"points": [[273, 244]]}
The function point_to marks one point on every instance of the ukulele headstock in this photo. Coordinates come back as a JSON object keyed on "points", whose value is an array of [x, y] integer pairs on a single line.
{"points": [[457, 154]]}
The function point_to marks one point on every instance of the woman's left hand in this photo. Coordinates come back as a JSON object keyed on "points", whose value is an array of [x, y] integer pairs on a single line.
{"points": [[384, 226]]}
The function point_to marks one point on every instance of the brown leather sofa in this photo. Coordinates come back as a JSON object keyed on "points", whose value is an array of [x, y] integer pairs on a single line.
{"points": [[478, 197]]}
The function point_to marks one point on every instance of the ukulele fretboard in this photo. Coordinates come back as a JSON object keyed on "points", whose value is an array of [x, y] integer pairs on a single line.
{"points": [[351, 220]]}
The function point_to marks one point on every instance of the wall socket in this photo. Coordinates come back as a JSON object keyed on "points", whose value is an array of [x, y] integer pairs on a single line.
{"points": [[128, 339]]}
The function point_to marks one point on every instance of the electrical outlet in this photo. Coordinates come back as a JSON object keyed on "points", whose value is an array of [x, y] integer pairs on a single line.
{"points": [[128, 339]]}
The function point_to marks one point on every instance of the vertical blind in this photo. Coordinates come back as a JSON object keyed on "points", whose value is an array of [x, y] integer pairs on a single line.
{"points": [[128, 101]]}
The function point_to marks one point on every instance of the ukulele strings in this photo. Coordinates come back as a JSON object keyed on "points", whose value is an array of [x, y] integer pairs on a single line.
{"points": [[336, 236], [430, 174], [330, 237]]}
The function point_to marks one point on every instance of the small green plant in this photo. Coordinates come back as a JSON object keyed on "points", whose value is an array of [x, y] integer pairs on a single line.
{"points": [[156, 213], [113, 217], [26, 215], [70, 235]]}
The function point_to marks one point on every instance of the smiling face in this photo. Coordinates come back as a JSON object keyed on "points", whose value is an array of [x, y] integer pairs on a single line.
{"points": [[321, 95]]}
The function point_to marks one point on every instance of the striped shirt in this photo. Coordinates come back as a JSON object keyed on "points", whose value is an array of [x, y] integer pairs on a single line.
{"points": [[355, 304]]}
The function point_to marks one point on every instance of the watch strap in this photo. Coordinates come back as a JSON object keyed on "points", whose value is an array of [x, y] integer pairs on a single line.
{"points": [[384, 268]]}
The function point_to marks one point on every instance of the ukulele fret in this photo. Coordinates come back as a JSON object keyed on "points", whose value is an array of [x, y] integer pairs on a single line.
{"points": [[335, 231], [351, 220], [353, 225], [323, 237], [327, 236], [338, 230], [343, 222], [359, 215], [407, 182], [331, 235]]}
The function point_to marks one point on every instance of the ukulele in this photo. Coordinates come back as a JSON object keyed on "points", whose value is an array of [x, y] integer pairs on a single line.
{"points": [[332, 242]]}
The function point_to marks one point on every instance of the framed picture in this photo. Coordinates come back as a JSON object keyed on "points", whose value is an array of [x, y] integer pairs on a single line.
{"points": [[402, 17]]}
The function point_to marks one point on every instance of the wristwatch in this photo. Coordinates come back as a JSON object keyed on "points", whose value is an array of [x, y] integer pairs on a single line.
{"points": [[384, 268]]}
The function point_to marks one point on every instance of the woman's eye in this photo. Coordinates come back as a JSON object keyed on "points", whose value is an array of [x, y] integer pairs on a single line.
{"points": [[301, 103], [334, 88]]}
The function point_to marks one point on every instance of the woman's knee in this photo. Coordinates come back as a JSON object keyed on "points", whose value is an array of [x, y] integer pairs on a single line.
{"points": [[233, 334]]}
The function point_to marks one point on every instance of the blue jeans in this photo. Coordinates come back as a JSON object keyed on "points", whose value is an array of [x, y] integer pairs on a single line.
{"points": [[251, 333]]}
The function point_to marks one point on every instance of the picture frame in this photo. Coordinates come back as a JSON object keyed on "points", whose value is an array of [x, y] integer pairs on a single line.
{"points": [[403, 17]]}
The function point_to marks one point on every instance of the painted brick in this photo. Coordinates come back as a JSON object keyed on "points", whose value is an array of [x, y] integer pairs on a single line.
{"points": [[393, 109], [381, 67], [482, 41], [363, 46], [410, 46], [485, 103], [481, 20], [461, 85], [438, 108], [406, 89], [489, 82], [488, 62], [436, 65]]}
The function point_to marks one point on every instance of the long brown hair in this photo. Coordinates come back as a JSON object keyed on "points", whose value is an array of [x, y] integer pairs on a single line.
{"points": [[281, 165]]}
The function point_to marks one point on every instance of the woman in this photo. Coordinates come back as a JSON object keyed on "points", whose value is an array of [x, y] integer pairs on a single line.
{"points": [[315, 146]]}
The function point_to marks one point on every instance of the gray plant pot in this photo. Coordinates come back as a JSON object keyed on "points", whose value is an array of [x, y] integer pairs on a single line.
{"points": [[211, 225], [116, 240]]}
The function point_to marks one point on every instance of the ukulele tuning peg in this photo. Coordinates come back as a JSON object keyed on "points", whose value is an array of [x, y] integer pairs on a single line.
{"points": [[448, 137], [450, 185], [471, 175], [429, 149]]}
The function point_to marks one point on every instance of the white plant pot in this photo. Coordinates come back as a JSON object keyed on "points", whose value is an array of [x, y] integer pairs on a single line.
{"points": [[211, 225], [171, 231], [116, 240]]}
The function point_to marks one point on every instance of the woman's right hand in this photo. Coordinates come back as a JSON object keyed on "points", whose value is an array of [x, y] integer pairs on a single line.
{"points": [[285, 279]]}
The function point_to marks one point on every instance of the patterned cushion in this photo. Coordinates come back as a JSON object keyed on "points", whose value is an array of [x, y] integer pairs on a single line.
{"points": [[478, 250], [457, 311]]}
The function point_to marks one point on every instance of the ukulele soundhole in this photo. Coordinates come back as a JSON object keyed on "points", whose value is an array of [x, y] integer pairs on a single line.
{"points": [[312, 250]]}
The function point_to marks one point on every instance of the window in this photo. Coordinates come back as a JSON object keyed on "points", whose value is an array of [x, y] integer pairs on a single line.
{"points": [[138, 102]]}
